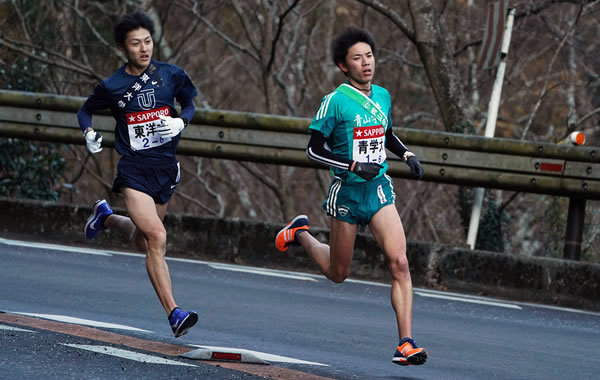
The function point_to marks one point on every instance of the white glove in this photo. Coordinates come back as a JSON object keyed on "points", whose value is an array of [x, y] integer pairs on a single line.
{"points": [[93, 141], [169, 126]]}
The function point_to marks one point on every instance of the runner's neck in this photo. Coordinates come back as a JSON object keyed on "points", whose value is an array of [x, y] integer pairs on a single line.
{"points": [[132, 70], [366, 91]]}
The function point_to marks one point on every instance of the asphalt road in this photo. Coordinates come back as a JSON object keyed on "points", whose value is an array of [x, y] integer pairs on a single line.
{"points": [[315, 327]]}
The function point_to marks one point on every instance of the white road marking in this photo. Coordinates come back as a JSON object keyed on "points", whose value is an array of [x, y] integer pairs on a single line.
{"points": [[367, 283], [10, 328], [262, 355], [131, 355], [469, 300], [559, 308], [264, 272], [55, 247], [80, 321]]}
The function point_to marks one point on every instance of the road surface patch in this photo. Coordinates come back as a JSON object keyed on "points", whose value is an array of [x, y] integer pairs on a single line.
{"points": [[149, 346], [125, 354]]}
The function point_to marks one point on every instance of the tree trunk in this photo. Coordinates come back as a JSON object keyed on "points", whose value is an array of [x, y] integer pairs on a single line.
{"points": [[440, 66]]}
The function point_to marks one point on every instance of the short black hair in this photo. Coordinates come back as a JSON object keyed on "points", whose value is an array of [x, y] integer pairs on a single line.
{"points": [[345, 40], [129, 22]]}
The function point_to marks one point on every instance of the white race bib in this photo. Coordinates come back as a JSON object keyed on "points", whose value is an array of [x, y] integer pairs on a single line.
{"points": [[142, 128], [368, 144]]}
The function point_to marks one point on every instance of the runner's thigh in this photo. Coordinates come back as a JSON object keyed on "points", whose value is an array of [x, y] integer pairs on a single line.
{"points": [[388, 231], [143, 211]]}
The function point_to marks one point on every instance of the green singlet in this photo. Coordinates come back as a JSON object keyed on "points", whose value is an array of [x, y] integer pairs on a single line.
{"points": [[352, 131]]}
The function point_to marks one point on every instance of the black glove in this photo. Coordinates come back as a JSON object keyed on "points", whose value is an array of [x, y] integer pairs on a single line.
{"points": [[416, 170], [367, 170]]}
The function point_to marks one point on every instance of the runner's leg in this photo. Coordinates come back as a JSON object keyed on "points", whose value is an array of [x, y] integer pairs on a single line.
{"points": [[387, 229], [334, 260], [127, 229], [147, 217]]}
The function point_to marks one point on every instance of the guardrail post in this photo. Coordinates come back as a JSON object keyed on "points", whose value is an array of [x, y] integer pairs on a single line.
{"points": [[574, 234]]}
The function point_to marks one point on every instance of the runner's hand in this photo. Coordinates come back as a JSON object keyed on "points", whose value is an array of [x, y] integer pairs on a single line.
{"points": [[416, 170], [367, 170], [170, 126], [93, 141]]}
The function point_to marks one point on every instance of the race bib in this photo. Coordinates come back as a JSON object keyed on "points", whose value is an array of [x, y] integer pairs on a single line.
{"points": [[142, 128], [368, 144]]}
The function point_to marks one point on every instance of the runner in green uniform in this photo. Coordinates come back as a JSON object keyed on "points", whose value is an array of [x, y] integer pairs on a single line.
{"points": [[350, 134]]}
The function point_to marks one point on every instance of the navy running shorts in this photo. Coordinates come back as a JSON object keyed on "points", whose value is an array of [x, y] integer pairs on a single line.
{"points": [[357, 203], [157, 182]]}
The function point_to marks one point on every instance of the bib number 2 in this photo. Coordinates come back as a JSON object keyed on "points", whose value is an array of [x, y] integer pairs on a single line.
{"points": [[142, 128]]}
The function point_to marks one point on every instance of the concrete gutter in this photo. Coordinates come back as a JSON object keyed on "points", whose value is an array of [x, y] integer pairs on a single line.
{"points": [[246, 242]]}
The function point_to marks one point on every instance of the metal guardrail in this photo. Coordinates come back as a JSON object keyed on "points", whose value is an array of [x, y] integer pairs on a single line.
{"points": [[572, 171]]}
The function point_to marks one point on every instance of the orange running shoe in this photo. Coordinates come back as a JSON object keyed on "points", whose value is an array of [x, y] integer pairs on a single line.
{"points": [[408, 353], [287, 235]]}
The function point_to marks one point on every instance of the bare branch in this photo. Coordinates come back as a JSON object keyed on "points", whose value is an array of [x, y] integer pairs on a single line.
{"points": [[70, 65], [545, 90], [261, 177], [196, 202], [23, 21], [87, 170], [388, 12], [217, 196], [584, 118], [220, 34], [508, 201], [465, 47], [429, 222], [239, 12], [98, 36], [185, 40], [537, 7], [290, 88], [395, 55], [278, 34], [417, 116], [408, 201]]}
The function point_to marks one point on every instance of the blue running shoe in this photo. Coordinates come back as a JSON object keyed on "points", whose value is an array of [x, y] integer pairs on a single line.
{"points": [[95, 222], [181, 321]]}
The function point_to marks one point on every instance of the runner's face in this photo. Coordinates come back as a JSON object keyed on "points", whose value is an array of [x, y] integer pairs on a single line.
{"points": [[359, 64], [138, 49]]}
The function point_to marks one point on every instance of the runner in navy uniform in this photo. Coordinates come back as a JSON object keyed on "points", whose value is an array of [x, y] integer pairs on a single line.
{"points": [[141, 98], [350, 133]]}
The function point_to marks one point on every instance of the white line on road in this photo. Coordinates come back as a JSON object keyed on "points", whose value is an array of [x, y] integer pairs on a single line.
{"points": [[264, 272], [131, 355], [362, 282], [80, 321], [262, 355], [10, 328], [54, 247], [469, 300]]}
